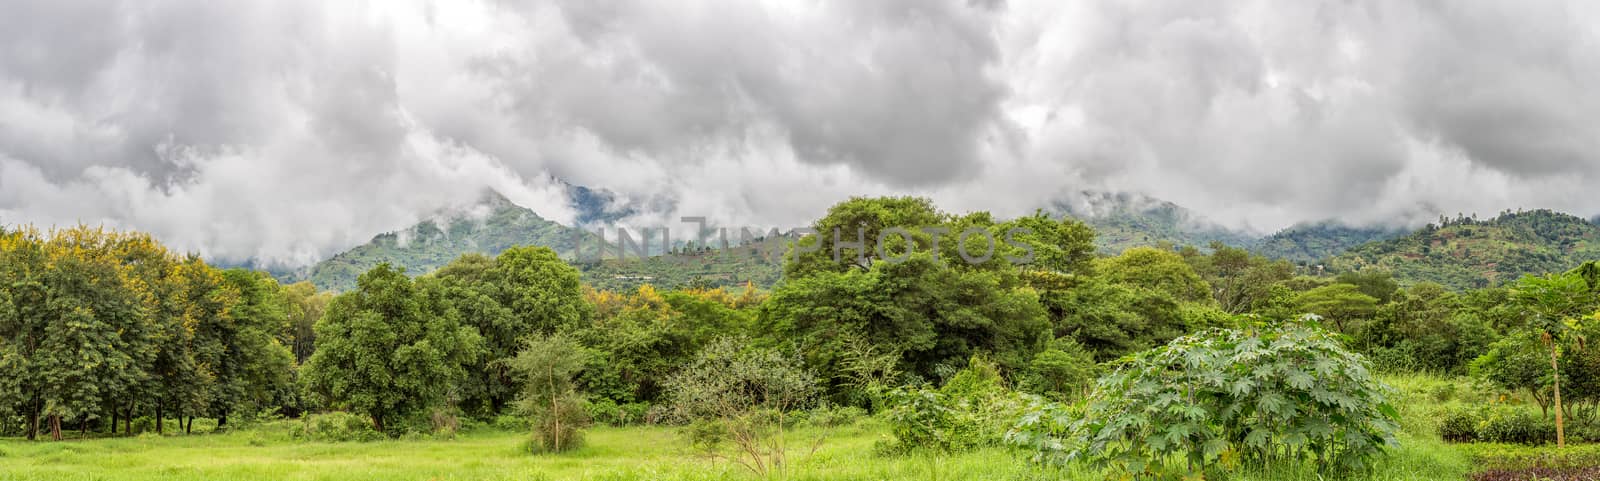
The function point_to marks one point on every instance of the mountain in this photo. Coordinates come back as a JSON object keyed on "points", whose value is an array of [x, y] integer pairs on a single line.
{"points": [[1308, 243], [1469, 253], [490, 226], [759, 262], [1123, 220]]}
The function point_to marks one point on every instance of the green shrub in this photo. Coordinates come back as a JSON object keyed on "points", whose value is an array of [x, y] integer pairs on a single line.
{"points": [[608, 412], [338, 426], [506, 422], [1516, 426], [1275, 391], [831, 416], [705, 435], [1459, 425], [973, 409]]}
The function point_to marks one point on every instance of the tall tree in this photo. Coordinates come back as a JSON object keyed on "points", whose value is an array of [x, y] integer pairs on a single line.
{"points": [[386, 350], [1555, 304], [522, 292]]}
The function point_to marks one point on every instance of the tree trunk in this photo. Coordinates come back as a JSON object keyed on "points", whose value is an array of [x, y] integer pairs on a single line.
{"points": [[127, 422], [33, 422], [115, 415], [1555, 375], [158, 420], [55, 427], [188, 426], [377, 422]]}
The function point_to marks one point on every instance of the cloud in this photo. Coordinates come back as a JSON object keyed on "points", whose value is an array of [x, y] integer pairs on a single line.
{"points": [[289, 130]]}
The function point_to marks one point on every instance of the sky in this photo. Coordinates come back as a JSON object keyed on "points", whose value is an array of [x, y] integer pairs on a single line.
{"points": [[288, 130]]}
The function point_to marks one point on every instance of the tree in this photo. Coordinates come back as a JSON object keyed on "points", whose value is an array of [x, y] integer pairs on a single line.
{"points": [[303, 306], [1153, 269], [1239, 280], [251, 371], [747, 391], [387, 350], [546, 365], [524, 291], [1344, 304], [1555, 304], [1064, 370]]}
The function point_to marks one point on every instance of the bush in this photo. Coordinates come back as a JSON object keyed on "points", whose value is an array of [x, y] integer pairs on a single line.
{"points": [[973, 409], [705, 435], [1459, 425], [608, 412], [1283, 390], [1516, 426], [337, 426], [507, 422], [831, 416]]}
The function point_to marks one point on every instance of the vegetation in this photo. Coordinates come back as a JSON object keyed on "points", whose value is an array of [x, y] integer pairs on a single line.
{"points": [[489, 227], [902, 357], [1310, 244], [1465, 252]]}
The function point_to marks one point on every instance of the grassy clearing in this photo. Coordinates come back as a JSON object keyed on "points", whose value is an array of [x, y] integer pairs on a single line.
{"points": [[642, 453]]}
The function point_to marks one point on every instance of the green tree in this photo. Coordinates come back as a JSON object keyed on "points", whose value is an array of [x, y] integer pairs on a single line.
{"points": [[1555, 304], [524, 291], [1343, 304], [1153, 269], [747, 392], [547, 365], [304, 306], [386, 349]]}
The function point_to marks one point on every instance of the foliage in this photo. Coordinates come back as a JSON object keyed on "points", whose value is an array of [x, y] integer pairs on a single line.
{"points": [[747, 391], [1274, 391], [973, 408], [1464, 253], [546, 365], [386, 351], [489, 227], [1344, 306], [522, 291], [1147, 268], [1063, 370], [1312, 243], [336, 426]]}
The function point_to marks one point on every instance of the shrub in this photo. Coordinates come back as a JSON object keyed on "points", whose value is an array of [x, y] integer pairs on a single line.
{"points": [[973, 409], [1459, 425], [507, 422], [337, 427], [922, 418], [608, 412], [548, 365], [748, 391], [1516, 426], [1281, 390], [831, 416]]}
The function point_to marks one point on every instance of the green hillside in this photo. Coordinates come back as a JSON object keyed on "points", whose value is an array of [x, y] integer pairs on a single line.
{"points": [[759, 262], [491, 226], [1467, 253], [1308, 243], [1123, 220]]}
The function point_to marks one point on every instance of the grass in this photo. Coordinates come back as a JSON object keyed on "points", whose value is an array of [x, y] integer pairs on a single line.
{"points": [[642, 453]]}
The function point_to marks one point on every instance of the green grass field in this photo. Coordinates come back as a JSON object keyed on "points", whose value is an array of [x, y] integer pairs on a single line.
{"points": [[642, 453]]}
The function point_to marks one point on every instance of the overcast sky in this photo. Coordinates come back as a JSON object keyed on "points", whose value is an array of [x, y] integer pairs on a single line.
{"points": [[288, 130]]}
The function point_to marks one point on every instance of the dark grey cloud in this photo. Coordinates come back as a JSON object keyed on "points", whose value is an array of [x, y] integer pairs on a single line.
{"points": [[287, 130]]}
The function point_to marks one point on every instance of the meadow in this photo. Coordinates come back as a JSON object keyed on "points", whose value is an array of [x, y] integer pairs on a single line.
{"points": [[631, 453]]}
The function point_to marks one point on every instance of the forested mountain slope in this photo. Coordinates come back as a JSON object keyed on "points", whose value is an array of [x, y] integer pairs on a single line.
{"points": [[1308, 243], [1123, 220], [489, 227], [1468, 253]]}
